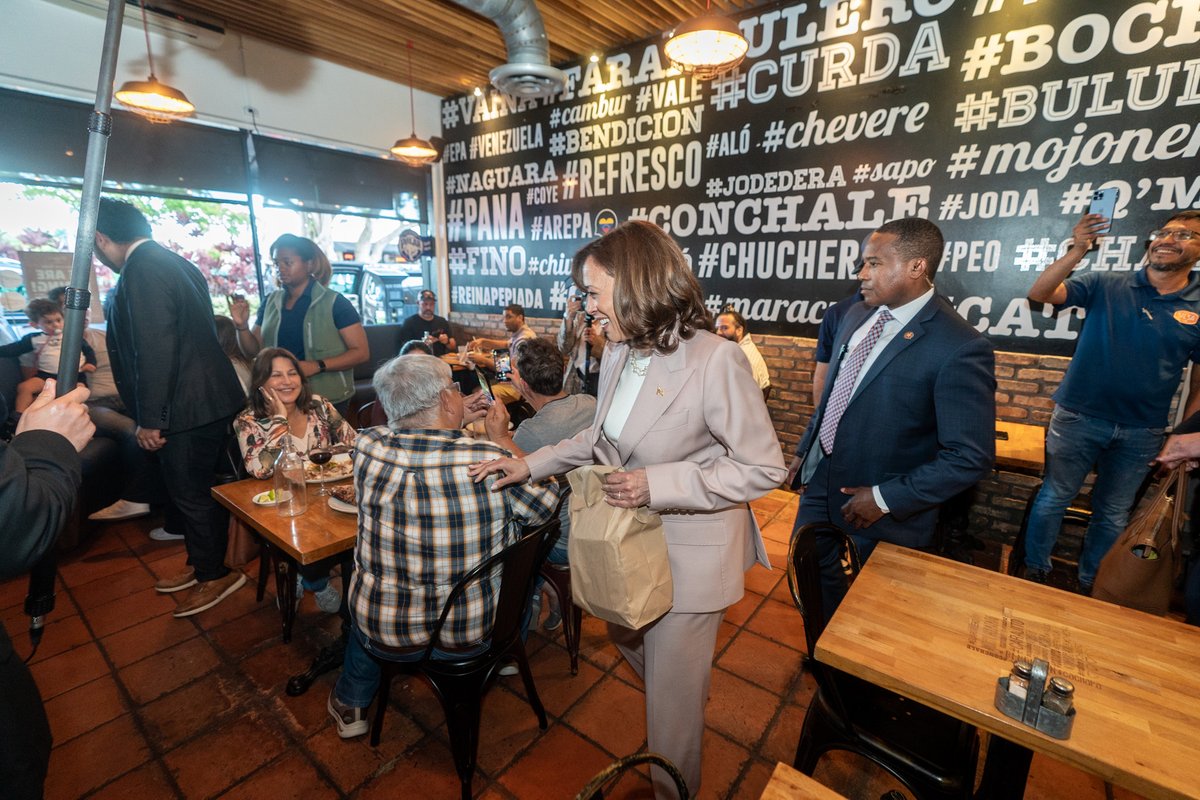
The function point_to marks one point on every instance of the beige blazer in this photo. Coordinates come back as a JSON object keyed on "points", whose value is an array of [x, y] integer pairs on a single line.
{"points": [[701, 430]]}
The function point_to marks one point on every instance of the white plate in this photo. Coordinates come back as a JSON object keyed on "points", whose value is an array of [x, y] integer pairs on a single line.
{"points": [[263, 498], [338, 469], [340, 505]]}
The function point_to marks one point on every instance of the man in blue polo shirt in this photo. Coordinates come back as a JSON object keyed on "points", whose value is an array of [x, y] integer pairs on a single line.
{"points": [[1141, 330]]}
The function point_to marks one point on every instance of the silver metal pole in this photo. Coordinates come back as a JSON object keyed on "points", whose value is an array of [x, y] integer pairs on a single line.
{"points": [[79, 297]]}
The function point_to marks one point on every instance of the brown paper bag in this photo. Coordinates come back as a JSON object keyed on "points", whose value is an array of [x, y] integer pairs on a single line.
{"points": [[1140, 569], [619, 567]]}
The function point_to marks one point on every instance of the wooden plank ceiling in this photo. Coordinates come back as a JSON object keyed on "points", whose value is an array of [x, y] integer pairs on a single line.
{"points": [[453, 49]]}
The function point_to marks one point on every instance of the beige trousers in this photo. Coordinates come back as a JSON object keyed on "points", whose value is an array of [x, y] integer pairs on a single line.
{"points": [[673, 656]]}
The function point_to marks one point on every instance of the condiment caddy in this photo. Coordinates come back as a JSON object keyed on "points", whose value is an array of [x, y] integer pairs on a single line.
{"points": [[1042, 702]]}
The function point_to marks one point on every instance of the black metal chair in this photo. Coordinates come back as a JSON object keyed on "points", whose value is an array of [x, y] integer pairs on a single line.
{"points": [[559, 577], [604, 779], [460, 683], [931, 754]]}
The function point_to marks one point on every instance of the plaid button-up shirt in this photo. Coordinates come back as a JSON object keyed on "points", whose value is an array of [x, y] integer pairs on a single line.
{"points": [[422, 524]]}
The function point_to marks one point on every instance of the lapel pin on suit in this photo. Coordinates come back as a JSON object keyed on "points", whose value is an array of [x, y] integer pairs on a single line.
{"points": [[908, 334], [659, 391]]}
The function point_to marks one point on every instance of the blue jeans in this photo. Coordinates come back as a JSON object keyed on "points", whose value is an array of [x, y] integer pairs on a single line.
{"points": [[359, 681], [1075, 443]]}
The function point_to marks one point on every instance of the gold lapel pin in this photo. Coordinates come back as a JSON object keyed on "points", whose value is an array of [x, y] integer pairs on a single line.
{"points": [[908, 334], [659, 391]]}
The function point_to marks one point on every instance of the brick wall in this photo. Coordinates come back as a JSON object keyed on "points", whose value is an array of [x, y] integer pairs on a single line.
{"points": [[1024, 385]]}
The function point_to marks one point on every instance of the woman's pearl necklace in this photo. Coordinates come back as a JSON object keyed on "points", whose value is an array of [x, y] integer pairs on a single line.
{"points": [[639, 365]]}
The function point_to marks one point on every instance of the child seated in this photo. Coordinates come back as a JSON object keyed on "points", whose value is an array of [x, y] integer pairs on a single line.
{"points": [[46, 347]]}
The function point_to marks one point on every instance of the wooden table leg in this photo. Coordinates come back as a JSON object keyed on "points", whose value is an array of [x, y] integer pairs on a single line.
{"points": [[330, 658]]}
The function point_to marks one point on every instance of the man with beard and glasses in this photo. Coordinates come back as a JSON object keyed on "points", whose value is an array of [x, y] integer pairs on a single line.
{"points": [[1141, 330]]}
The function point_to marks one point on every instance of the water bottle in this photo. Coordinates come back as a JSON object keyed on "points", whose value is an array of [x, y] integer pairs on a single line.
{"points": [[291, 497]]}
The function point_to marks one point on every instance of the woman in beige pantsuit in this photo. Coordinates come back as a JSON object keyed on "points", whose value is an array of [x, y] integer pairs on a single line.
{"points": [[679, 409]]}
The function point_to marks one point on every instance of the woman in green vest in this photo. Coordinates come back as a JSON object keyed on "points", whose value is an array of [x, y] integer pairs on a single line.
{"points": [[316, 324]]}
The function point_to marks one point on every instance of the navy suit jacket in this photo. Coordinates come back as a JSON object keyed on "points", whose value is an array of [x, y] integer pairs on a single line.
{"points": [[162, 343], [920, 425]]}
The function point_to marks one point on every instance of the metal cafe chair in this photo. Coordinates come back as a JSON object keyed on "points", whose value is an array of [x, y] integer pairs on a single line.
{"points": [[931, 754], [595, 788], [461, 682]]}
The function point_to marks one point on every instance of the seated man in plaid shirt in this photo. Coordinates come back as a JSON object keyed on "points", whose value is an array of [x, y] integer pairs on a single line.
{"points": [[422, 523]]}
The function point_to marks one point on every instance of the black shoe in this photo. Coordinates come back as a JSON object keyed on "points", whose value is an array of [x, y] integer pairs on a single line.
{"points": [[1037, 576], [1084, 589]]}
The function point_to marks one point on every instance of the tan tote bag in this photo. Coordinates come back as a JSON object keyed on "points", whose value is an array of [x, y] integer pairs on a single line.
{"points": [[618, 556], [1139, 570]]}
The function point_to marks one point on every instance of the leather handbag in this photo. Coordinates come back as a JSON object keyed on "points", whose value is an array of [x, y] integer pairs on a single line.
{"points": [[619, 567], [1140, 569]]}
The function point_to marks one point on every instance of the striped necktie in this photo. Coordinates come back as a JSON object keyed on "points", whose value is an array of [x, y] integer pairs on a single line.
{"points": [[843, 385]]}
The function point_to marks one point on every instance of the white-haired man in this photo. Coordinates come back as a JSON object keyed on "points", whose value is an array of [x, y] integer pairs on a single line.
{"points": [[422, 524]]}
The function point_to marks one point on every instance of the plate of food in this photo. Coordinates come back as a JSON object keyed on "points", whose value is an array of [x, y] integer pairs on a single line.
{"points": [[339, 468], [342, 498], [266, 498]]}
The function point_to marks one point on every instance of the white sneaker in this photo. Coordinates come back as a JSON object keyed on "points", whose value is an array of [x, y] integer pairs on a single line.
{"points": [[328, 599], [122, 509], [161, 535]]}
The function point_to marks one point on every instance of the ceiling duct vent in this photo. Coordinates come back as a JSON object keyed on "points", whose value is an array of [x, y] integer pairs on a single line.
{"points": [[162, 17], [528, 72]]}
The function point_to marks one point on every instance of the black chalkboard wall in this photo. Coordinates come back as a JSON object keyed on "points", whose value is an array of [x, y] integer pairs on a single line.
{"points": [[994, 118]]}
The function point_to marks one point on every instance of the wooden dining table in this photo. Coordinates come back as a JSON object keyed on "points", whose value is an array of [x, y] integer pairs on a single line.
{"points": [[319, 534], [941, 632], [788, 783], [1020, 447]]}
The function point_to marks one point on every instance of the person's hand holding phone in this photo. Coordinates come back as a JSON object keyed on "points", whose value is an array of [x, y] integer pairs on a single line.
{"points": [[496, 424], [475, 406], [1088, 230]]}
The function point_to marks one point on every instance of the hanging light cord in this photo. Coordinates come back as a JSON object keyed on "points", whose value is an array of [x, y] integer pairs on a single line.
{"points": [[146, 30], [412, 108]]}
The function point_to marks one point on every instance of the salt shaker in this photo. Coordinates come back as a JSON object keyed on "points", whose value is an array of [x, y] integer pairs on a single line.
{"points": [[1059, 698], [1018, 679]]}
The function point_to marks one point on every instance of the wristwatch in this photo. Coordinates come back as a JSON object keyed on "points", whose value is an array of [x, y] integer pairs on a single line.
{"points": [[320, 365]]}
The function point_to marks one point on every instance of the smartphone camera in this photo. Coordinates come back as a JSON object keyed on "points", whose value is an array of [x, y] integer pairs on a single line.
{"points": [[502, 364]]}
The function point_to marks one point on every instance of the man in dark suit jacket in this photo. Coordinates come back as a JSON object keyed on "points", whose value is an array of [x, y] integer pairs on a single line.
{"points": [[907, 416], [177, 384]]}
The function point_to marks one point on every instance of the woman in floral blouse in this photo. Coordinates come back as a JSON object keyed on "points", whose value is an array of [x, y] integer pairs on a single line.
{"points": [[282, 404]]}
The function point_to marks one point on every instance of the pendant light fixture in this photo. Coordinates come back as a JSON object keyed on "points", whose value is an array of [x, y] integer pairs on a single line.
{"points": [[151, 99], [414, 151], [706, 46]]}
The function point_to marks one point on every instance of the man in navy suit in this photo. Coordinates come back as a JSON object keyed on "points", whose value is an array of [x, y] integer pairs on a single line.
{"points": [[907, 417]]}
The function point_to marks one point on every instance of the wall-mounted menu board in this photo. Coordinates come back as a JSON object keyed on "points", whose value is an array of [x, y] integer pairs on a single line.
{"points": [[996, 119]]}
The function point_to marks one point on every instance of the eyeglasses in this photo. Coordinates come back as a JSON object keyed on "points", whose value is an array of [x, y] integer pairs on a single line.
{"points": [[1178, 234], [453, 386]]}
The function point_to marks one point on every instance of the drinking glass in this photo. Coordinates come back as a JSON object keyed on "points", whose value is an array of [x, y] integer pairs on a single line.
{"points": [[320, 456]]}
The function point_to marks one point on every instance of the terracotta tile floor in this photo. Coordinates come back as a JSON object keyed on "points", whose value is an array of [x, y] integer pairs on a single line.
{"points": [[145, 705]]}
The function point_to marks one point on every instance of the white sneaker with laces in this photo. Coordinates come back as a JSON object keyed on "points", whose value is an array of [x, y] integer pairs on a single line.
{"points": [[122, 509]]}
